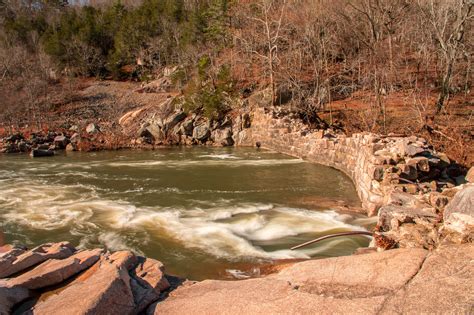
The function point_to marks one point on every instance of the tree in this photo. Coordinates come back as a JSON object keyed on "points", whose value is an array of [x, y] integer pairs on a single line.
{"points": [[448, 20], [269, 17]]}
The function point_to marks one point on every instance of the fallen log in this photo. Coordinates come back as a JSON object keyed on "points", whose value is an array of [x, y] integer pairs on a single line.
{"points": [[331, 236]]}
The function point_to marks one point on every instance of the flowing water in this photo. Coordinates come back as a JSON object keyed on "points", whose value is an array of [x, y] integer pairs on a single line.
{"points": [[204, 212]]}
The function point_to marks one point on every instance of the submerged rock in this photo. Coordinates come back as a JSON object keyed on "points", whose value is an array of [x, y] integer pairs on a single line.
{"points": [[41, 153]]}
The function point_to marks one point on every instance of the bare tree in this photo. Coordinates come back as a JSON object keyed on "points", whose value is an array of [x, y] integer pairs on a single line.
{"points": [[448, 21], [269, 19]]}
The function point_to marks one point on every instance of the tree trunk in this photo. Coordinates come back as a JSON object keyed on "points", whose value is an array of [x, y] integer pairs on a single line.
{"points": [[272, 82], [444, 94]]}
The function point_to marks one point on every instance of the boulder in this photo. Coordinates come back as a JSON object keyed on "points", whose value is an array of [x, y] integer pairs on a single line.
{"points": [[470, 175], [74, 128], [463, 202], [223, 137], [23, 146], [156, 133], [246, 122], [405, 200], [9, 255], [438, 200], [106, 291], [71, 147], [173, 120], [392, 216], [60, 142], [123, 259], [55, 271], [187, 127], [408, 171], [75, 138], [148, 281], [10, 296], [407, 227], [421, 163], [92, 128], [13, 264], [201, 133], [41, 153], [459, 217]]}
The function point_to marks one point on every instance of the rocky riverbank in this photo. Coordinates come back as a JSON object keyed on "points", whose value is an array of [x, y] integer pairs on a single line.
{"points": [[56, 278], [59, 278], [425, 228]]}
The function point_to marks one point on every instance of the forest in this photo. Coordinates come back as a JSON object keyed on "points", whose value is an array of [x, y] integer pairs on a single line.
{"points": [[326, 58]]}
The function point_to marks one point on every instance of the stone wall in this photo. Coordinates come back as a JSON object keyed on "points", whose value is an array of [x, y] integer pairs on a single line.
{"points": [[377, 165]]}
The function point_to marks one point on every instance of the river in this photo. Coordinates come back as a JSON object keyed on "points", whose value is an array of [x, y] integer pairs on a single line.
{"points": [[204, 212]]}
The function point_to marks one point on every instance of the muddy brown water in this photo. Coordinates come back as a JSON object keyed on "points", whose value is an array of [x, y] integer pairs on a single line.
{"points": [[204, 212]]}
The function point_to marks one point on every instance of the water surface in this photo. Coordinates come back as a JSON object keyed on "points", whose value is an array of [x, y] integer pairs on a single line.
{"points": [[204, 212]]}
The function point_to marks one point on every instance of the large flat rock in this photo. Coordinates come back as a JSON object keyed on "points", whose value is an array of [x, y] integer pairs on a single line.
{"points": [[55, 271], [445, 284], [106, 291], [336, 285], [11, 296], [12, 263], [147, 282], [356, 276], [396, 281], [258, 296]]}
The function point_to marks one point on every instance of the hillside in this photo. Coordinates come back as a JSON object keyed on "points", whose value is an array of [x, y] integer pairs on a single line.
{"points": [[361, 65]]}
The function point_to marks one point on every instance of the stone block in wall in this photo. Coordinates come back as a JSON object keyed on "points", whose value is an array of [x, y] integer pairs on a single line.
{"points": [[376, 199], [421, 163], [408, 171], [376, 147], [376, 186]]}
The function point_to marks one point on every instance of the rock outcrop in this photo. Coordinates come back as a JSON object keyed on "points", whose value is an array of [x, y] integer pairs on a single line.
{"points": [[81, 282], [396, 281], [11, 262], [9, 297], [55, 271]]}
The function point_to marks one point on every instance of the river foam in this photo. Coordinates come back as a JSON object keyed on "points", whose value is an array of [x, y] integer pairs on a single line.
{"points": [[200, 211], [221, 228]]}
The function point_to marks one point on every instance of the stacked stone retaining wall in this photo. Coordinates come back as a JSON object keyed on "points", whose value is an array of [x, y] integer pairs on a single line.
{"points": [[368, 159]]}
